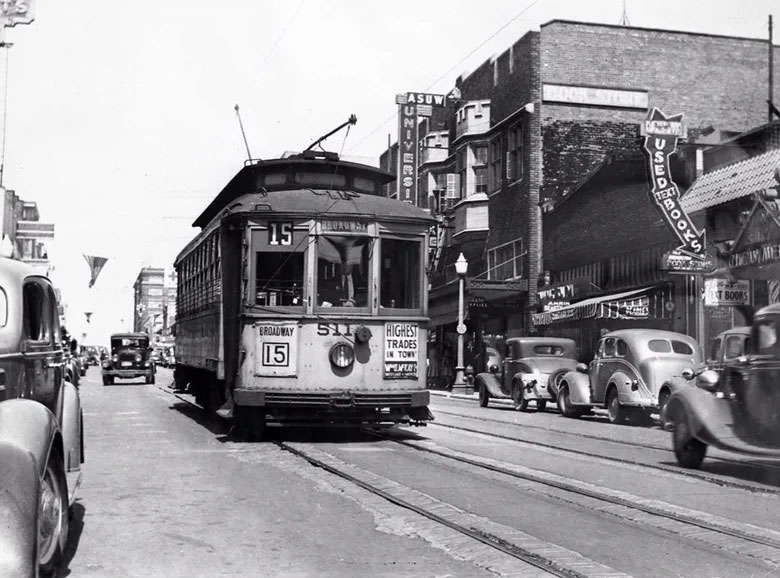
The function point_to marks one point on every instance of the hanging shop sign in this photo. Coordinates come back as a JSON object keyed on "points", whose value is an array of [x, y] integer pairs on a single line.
{"points": [[661, 134], [758, 243], [407, 153], [401, 350], [721, 292], [678, 262], [559, 295]]}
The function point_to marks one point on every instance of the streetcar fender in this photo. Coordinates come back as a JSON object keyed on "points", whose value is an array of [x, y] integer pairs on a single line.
{"points": [[579, 387], [30, 426], [19, 489], [71, 428], [490, 380]]}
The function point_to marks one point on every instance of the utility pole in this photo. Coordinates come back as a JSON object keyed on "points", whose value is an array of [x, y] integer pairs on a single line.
{"points": [[772, 108]]}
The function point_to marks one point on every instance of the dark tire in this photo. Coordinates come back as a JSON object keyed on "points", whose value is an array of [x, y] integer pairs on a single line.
{"points": [[484, 395], [541, 404], [521, 404], [564, 403], [152, 382], [250, 422], [617, 413], [554, 383], [106, 380], [663, 398], [111, 380], [688, 450], [53, 517], [147, 378]]}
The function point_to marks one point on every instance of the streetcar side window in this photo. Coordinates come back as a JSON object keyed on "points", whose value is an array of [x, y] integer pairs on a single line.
{"points": [[400, 274], [343, 270]]}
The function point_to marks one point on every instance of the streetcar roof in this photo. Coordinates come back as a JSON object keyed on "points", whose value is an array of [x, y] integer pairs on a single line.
{"points": [[251, 178]]}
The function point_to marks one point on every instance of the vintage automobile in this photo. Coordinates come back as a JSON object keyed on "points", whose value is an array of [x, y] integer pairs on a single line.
{"points": [[736, 409], [41, 434], [632, 374], [529, 365], [93, 355], [130, 358], [728, 346]]}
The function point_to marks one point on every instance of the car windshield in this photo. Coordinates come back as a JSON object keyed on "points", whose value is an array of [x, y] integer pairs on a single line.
{"points": [[766, 336], [134, 342]]}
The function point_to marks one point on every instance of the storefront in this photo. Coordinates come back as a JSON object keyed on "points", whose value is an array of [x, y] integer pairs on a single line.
{"points": [[585, 321]]}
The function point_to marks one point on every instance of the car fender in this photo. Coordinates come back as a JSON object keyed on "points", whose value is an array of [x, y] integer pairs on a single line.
{"points": [[31, 426], [700, 408], [20, 485], [579, 387], [622, 382], [70, 423], [491, 384]]}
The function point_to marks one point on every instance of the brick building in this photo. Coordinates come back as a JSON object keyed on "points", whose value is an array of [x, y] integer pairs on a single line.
{"points": [[532, 122], [154, 301]]}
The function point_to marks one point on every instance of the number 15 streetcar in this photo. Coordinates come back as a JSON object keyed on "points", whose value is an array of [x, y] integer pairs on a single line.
{"points": [[303, 299]]}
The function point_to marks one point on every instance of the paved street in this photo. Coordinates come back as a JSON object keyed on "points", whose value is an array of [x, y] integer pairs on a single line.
{"points": [[167, 492]]}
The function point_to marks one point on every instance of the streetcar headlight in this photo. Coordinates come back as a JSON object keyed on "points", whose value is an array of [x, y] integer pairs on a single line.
{"points": [[342, 355]]}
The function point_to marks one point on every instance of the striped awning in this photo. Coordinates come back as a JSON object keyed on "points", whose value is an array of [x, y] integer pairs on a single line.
{"points": [[633, 304]]}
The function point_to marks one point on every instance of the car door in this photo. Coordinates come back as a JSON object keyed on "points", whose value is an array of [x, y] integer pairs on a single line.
{"points": [[42, 362], [594, 369], [604, 369]]}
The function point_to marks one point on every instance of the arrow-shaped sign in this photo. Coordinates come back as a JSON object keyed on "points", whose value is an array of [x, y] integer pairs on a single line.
{"points": [[661, 134]]}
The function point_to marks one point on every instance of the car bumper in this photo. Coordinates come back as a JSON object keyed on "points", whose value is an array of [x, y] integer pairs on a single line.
{"points": [[127, 372]]}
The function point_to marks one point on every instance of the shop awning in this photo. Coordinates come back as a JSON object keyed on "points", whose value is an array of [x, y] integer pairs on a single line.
{"points": [[633, 304]]}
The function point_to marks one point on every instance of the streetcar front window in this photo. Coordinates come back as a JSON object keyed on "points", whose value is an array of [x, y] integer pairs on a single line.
{"points": [[343, 271], [279, 279], [400, 274]]}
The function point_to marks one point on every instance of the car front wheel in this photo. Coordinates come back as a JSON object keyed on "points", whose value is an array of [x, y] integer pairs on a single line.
{"points": [[484, 395], [53, 516], [688, 450]]}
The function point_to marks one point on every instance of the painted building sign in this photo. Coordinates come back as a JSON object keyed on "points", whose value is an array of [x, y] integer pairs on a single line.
{"points": [[759, 241], [720, 292], [660, 143], [401, 350], [677, 262], [593, 96]]}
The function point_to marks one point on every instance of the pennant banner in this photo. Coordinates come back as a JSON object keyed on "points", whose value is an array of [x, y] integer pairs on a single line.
{"points": [[95, 266]]}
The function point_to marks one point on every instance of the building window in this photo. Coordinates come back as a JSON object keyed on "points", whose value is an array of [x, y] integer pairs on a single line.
{"points": [[506, 261], [514, 154], [462, 163], [496, 154], [480, 180], [480, 155]]}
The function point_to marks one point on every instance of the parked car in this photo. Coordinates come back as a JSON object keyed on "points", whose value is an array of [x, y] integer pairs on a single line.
{"points": [[528, 367], [632, 374], [130, 358], [93, 355], [83, 361], [41, 451], [736, 409]]}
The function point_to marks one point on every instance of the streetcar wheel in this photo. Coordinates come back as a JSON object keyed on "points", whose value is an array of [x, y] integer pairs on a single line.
{"points": [[53, 516], [541, 404], [484, 395], [616, 412], [688, 450]]}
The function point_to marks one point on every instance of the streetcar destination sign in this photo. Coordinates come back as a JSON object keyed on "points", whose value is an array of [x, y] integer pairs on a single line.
{"points": [[661, 134], [276, 351]]}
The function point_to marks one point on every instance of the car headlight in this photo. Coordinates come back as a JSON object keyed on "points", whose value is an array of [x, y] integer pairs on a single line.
{"points": [[138, 358], [148, 363], [115, 358], [342, 355]]}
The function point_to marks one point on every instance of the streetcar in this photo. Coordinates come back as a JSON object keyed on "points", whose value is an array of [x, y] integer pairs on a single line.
{"points": [[303, 299]]}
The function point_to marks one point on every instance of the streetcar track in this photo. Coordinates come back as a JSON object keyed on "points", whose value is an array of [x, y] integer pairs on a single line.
{"points": [[655, 508], [761, 464], [493, 540], [671, 469]]}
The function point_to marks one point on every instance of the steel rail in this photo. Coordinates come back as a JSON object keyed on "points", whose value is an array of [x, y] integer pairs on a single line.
{"points": [[484, 537], [593, 494]]}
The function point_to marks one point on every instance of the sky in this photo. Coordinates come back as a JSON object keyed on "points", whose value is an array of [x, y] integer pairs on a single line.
{"points": [[120, 119]]}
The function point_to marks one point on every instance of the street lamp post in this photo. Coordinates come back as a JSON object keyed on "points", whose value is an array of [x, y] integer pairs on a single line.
{"points": [[460, 385]]}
